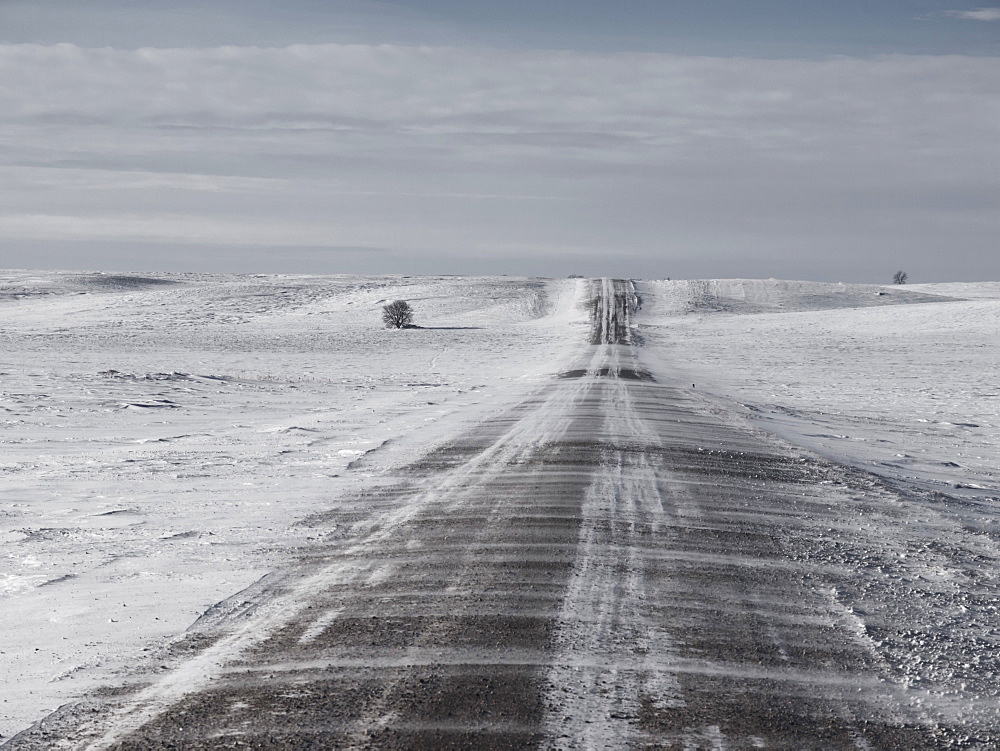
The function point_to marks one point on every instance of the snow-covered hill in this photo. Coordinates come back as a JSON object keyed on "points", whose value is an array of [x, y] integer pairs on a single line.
{"points": [[775, 295], [162, 435], [857, 372]]}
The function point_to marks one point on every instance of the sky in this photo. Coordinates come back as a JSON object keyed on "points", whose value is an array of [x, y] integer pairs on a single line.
{"points": [[692, 139]]}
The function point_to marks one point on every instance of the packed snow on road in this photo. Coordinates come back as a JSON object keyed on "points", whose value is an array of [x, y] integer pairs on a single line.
{"points": [[166, 435]]}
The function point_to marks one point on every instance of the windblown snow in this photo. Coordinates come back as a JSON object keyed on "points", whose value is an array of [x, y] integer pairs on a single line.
{"points": [[868, 375], [163, 434]]}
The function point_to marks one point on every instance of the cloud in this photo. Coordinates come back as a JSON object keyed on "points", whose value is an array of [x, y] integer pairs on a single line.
{"points": [[453, 151], [979, 14], [167, 228], [482, 100]]}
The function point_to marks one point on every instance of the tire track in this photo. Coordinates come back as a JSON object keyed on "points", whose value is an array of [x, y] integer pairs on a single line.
{"points": [[611, 564]]}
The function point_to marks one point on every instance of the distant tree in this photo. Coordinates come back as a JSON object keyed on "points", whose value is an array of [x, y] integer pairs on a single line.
{"points": [[397, 315], [576, 276], [900, 277]]}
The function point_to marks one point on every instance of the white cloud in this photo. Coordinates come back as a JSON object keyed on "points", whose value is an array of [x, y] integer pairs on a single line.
{"points": [[979, 14], [106, 179], [165, 228], [419, 147], [400, 104]]}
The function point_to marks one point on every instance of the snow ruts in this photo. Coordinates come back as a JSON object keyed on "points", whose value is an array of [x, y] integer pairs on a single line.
{"points": [[612, 563], [611, 317]]}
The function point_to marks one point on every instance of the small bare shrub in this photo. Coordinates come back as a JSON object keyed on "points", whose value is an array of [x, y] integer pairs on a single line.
{"points": [[900, 277]]}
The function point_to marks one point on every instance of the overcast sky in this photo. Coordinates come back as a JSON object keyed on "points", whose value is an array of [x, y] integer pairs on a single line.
{"points": [[808, 139]]}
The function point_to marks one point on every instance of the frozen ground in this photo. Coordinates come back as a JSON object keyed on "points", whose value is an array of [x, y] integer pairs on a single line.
{"points": [[161, 440], [163, 434], [903, 381]]}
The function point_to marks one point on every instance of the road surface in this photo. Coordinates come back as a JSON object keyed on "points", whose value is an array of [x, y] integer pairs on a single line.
{"points": [[615, 563]]}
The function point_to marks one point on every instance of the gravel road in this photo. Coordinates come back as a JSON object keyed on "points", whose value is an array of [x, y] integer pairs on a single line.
{"points": [[615, 563]]}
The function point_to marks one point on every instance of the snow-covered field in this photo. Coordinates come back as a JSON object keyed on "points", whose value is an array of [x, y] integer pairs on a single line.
{"points": [[902, 381], [162, 434]]}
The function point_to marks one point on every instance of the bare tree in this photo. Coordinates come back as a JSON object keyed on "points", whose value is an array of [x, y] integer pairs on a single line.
{"points": [[397, 315], [900, 277]]}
